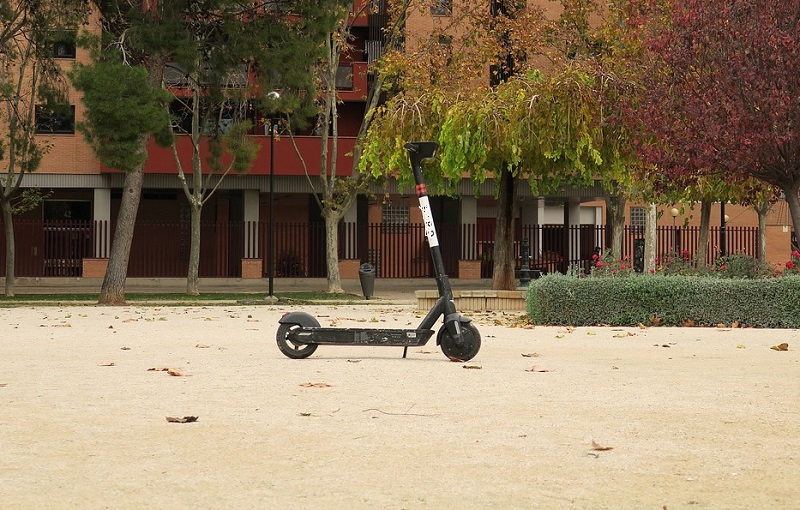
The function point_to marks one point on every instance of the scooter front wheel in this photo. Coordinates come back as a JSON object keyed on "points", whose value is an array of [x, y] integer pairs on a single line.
{"points": [[290, 348], [467, 349]]}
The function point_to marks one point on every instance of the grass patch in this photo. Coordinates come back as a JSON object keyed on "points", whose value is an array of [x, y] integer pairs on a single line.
{"points": [[252, 298]]}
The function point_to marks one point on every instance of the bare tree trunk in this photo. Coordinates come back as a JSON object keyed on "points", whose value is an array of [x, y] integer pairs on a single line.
{"points": [[615, 220], [650, 239], [762, 208], [702, 243], [503, 269], [332, 218], [794, 205], [8, 227], [113, 290], [193, 275]]}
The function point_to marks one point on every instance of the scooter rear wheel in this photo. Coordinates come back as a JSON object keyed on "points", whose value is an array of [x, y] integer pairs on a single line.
{"points": [[290, 348], [470, 345]]}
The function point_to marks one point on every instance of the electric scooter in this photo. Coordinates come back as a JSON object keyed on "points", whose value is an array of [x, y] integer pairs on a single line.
{"points": [[299, 333]]}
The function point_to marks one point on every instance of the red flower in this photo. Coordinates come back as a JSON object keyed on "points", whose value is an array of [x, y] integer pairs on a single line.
{"points": [[796, 254], [599, 264], [595, 257], [722, 267], [789, 265]]}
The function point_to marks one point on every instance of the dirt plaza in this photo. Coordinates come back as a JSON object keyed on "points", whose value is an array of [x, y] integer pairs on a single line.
{"points": [[97, 407]]}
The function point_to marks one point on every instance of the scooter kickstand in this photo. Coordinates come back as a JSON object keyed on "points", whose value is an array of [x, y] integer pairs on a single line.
{"points": [[405, 350]]}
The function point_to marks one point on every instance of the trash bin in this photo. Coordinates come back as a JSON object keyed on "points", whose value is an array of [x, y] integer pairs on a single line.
{"points": [[366, 273]]}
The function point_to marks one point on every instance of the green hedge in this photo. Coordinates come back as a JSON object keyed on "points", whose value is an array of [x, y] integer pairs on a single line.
{"points": [[627, 301]]}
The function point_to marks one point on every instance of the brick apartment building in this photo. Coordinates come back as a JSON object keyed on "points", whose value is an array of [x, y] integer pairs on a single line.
{"points": [[88, 195]]}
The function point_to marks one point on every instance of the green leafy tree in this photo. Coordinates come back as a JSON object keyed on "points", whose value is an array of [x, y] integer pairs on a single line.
{"points": [[29, 78], [548, 123], [337, 188], [208, 44]]}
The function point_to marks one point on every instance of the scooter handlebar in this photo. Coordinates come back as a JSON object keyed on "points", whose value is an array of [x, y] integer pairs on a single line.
{"points": [[418, 151]]}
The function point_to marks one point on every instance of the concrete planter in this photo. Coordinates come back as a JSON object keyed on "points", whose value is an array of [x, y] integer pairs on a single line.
{"points": [[477, 300]]}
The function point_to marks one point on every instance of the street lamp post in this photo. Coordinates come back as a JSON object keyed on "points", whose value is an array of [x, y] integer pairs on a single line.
{"points": [[674, 212], [723, 237], [271, 233]]}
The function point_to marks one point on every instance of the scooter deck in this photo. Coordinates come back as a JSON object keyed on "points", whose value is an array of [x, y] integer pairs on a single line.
{"points": [[361, 336]]}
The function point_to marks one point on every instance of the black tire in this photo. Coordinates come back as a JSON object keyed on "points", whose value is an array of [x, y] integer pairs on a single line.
{"points": [[294, 350], [469, 347]]}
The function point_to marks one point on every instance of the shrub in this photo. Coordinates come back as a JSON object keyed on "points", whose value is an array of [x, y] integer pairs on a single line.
{"points": [[741, 265], [673, 299]]}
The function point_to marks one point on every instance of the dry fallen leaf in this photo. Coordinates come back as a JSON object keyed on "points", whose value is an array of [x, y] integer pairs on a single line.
{"points": [[202, 346], [537, 368], [780, 347], [108, 364], [688, 323], [474, 367], [740, 346], [3, 385], [424, 352], [735, 324], [531, 355], [185, 419], [304, 414], [455, 360], [656, 321], [315, 385], [642, 326], [599, 448], [176, 372]]}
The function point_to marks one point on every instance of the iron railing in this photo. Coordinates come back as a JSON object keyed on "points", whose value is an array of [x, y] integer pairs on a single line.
{"points": [[161, 249]]}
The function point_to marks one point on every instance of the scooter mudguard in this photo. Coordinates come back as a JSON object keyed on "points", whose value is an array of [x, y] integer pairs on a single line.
{"points": [[303, 319], [450, 324]]}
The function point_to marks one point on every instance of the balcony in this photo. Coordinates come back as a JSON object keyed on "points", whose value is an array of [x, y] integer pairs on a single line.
{"points": [[287, 161]]}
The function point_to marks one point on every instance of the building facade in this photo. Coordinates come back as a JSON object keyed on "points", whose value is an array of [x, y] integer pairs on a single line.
{"points": [[70, 233]]}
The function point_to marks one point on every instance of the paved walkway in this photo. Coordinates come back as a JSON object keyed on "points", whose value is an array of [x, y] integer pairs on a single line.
{"points": [[393, 289]]}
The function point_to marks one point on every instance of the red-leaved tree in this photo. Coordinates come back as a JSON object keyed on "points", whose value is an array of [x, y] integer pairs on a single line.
{"points": [[722, 92]]}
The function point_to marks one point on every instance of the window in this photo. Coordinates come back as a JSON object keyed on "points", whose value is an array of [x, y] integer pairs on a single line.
{"points": [[62, 44], [395, 219], [442, 7], [344, 78], [60, 119], [638, 219]]}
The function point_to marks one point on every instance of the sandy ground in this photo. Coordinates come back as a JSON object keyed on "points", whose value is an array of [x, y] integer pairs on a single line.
{"points": [[543, 417]]}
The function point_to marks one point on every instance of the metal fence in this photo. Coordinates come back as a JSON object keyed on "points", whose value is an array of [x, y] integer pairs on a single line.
{"points": [[161, 249]]}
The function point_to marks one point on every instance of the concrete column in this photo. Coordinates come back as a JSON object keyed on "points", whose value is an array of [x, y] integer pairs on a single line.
{"points": [[350, 219], [251, 217], [574, 248], [102, 218]]}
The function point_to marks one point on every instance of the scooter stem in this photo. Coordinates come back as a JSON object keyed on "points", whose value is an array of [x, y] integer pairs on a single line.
{"points": [[418, 151]]}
